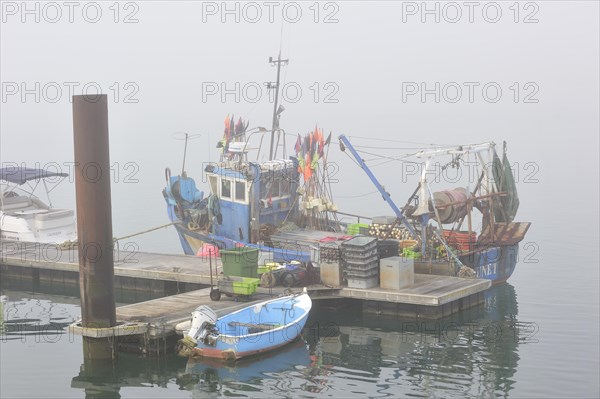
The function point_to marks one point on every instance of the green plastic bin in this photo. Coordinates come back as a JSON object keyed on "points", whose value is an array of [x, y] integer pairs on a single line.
{"points": [[355, 228], [409, 253], [238, 285], [241, 262]]}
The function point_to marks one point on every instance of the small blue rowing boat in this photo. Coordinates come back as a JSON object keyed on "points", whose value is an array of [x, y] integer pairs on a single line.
{"points": [[255, 329]]}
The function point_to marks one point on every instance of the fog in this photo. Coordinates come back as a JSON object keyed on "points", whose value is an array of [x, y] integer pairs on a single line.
{"points": [[527, 74]]}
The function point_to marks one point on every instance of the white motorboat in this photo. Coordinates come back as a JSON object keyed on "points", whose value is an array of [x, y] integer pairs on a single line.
{"points": [[24, 216]]}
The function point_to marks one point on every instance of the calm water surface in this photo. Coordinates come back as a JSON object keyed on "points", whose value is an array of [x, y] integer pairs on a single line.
{"points": [[534, 337]]}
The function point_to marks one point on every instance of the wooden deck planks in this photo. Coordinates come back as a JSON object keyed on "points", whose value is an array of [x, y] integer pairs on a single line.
{"points": [[167, 312], [429, 290], [179, 268]]}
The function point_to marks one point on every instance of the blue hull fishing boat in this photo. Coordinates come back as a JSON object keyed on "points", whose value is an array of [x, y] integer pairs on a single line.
{"points": [[285, 206], [253, 330]]}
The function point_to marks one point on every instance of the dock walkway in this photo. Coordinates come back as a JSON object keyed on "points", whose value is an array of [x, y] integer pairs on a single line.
{"points": [[428, 293], [128, 262]]}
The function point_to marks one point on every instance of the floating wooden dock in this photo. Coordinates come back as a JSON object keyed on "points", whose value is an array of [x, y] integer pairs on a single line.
{"points": [[432, 291], [182, 280], [128, 262]]}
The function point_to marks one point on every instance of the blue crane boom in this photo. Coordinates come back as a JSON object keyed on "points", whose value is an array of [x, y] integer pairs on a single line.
{"points": [[386, 196]]}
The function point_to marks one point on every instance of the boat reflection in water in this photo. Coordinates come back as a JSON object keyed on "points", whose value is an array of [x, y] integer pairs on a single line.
{"points": [[342, 353], [211, 375], [474, 353]]}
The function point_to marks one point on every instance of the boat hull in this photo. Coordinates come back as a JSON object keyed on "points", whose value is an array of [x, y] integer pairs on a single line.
{"points": [[234, 354], [48, 227], [192, 241], [293, 355], [494, 263], [281, 321]]}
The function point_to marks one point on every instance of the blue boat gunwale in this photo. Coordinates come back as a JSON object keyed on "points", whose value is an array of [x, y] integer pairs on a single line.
{"points": [[296, 320]]}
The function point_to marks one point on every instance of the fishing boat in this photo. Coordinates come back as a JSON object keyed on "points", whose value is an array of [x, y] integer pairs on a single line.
{"points": [[253, 330], [434, 218], [24, 216], [285, 207]]}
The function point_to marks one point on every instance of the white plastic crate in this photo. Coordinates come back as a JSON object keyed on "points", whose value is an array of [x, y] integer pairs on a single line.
{"points": [[363, 282]]}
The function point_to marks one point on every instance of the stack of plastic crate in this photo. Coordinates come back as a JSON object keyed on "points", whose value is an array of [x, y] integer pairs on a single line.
{"points": [[360, 262]]}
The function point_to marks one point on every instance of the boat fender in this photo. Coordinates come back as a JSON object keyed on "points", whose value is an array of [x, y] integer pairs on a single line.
{"points": [[168, 175]]}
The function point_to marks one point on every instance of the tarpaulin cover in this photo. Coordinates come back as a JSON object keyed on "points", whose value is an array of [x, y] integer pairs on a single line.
{"points": [[20, 175]]}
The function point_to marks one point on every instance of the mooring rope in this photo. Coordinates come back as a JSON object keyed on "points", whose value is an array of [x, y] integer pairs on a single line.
{"points": [[145, 231], [72, 244]]}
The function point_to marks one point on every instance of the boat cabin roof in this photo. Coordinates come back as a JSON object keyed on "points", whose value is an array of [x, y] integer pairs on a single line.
{"points": [[20, 175]]}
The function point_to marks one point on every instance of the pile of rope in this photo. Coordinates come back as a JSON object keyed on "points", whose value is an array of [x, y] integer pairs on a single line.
{"points": [[466, 272]]}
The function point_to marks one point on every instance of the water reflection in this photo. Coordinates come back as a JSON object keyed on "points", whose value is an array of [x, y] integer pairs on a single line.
{"points": [[246, 375], [40, 318], [343, 353], [348, 354], [473, 353], [103, 379]]}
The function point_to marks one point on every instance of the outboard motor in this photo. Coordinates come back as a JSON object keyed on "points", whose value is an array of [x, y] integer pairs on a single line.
{"points": [[203, 323]]}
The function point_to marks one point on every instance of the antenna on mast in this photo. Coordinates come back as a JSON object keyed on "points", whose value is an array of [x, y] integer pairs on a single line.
{"points": [[184, 154], [186, 137], [276, 110]]}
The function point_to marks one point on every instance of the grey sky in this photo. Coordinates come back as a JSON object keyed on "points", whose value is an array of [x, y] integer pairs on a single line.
{"points": [[374, 52]]}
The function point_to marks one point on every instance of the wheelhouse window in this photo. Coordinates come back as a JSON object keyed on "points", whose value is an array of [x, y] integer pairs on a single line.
{"points": [[275, 185], [240, 191], [225, 188]]}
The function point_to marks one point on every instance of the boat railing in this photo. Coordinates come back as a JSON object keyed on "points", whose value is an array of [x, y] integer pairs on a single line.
{"points": [[358, 217]]}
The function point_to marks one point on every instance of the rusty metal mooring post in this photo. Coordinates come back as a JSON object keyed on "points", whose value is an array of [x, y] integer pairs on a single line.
{"points": [[94, 221]]}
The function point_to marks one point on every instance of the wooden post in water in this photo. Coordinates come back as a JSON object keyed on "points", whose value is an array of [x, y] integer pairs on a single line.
{"points": [[94, 222]]}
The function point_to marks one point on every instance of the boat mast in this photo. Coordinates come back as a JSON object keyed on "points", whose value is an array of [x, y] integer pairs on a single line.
{"points": [[184, 154], [275, 125]]}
